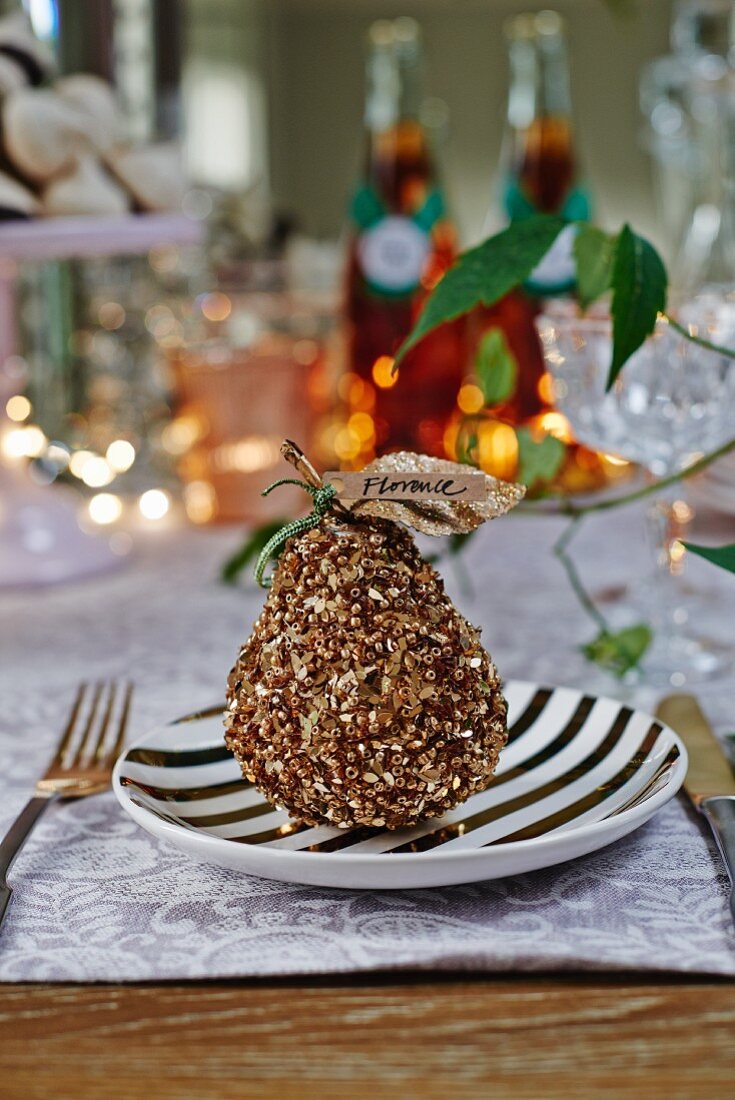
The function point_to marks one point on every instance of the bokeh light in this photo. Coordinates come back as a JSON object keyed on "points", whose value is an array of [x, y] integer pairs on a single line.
{"points": [[18, 408], [97, 472], [470, 398], [154, 504], [216, 306], [383, 375], [120, 455], [104, 508], [27, 442], [199, 501]]}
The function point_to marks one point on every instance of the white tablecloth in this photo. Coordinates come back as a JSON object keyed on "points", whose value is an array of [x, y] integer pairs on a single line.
{"points": [[96, 898]]}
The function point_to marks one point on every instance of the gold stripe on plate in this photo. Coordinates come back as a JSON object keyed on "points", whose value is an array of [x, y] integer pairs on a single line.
{"points": [[287, 829], [186, 794], [145, 805], [205, 821], [197, 715], [345, 839], [178, 758], [245, 813], [527, 718], [651, 785], [591, 800], [567, 735]]}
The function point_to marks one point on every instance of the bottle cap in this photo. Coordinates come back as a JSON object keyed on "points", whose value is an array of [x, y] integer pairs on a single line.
{"points": [[406, 29], [381, 33], [531, 25]]}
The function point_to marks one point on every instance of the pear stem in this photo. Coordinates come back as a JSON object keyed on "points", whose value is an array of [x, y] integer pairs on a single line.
{"points": [[293, 454]]}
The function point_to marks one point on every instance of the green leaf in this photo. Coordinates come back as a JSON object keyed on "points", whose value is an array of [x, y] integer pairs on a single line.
{"points": [[538, 459], [594, 254], [458, 542], [249, 550], [496, 367], [485, 274], [724, 556], [639, 284], [619, 652]]}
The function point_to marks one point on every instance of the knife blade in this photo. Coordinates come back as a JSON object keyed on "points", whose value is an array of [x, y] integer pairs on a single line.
{"points": [[710, 782]]}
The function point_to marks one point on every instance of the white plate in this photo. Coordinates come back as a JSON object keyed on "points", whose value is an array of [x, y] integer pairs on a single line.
{"points": [[578, 772]]}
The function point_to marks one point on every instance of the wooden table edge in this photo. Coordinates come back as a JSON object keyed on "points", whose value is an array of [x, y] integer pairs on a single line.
{"points": [[541, 1035]]}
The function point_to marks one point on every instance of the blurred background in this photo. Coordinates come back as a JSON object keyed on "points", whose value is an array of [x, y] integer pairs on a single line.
{"points": [[313, 66], [219, 218]]}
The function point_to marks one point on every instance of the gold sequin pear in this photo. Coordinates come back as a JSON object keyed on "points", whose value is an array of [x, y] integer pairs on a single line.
{"points": [[363, 697]]}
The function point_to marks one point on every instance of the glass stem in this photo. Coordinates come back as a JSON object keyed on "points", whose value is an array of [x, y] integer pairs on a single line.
{"points": [[667, 521]]}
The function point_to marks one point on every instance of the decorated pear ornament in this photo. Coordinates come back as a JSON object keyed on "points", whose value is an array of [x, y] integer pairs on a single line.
{"points": [[363, 697]]}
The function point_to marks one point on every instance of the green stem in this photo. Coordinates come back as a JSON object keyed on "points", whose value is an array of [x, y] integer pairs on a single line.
{"points": [[560, 551], [699, 340], [567, 508]]}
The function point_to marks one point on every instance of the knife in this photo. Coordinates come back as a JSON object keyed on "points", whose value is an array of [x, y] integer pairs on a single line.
{"points": [[710, 782]]}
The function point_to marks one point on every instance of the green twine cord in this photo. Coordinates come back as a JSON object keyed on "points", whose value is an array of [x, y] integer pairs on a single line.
{"points": [[322, 496]]}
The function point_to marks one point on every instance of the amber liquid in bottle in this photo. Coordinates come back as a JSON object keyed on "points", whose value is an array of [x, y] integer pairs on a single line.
{"points": [[399, 252]]}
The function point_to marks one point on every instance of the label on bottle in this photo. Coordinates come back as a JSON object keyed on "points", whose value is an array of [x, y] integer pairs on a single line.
{"points": [[392, 254], [556, 273], [392, 249]]}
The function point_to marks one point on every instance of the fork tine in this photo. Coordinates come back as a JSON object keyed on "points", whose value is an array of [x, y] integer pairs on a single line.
{"points": [[66, 736], [117, 745], [87, 734], [98, 752]]}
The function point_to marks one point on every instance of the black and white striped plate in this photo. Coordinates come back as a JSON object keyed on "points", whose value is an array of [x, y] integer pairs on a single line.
{"points": [[578, 772]]}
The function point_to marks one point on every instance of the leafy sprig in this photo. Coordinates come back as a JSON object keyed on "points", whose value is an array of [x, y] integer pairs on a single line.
{"points": [[485, 274], [625, 264]]}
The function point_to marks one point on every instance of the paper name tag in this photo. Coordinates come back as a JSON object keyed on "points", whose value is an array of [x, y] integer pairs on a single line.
{"points": [[419, 486]]}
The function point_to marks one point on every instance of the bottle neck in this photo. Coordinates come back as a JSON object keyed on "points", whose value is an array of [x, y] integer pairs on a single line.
{"points": [[394, 88], [539, 82], [539, 148], [399, 164]]}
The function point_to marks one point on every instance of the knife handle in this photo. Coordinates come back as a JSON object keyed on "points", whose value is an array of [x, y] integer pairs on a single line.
{"points": [[720, 813]]}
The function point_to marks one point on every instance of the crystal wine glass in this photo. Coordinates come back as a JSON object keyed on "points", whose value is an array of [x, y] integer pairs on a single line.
{"points": [[673, 402]]}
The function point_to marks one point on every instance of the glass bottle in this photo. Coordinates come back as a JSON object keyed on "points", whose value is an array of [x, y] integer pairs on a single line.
{"points": [[401, 243], [681, 96], [540, 174]]}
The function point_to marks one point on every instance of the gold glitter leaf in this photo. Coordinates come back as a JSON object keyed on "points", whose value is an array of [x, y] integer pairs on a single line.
{"points": [[436, 517]]}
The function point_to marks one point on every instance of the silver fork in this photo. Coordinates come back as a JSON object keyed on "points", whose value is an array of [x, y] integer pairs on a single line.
{"points": [[82, 764]]}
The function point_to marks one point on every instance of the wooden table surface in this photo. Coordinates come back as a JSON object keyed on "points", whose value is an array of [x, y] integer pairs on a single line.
{"points": [[382, 1036]]}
